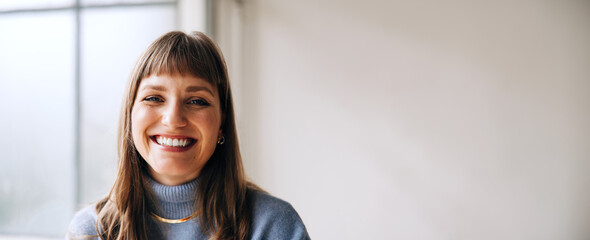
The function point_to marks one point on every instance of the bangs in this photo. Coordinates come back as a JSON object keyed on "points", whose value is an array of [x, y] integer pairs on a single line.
{"points": [[178, 53]]}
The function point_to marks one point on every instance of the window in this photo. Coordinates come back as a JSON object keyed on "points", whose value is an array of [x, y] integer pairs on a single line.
{"points": [[63, 69]]}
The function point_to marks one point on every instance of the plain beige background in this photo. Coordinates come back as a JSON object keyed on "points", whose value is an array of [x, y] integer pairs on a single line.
{"points": [[416, 119]]}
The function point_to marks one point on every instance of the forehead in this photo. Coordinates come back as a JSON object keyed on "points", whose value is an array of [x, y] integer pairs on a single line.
{"points": [[176, 81]]}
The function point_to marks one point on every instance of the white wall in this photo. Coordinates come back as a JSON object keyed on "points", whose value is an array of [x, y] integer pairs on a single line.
{"points": [[417, 119]]}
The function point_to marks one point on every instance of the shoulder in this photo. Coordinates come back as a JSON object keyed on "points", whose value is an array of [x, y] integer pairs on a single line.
{"points": [[273, 218], [83, 225]]}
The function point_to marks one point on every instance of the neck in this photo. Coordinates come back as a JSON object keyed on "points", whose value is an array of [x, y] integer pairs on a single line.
{"points": [[175, 201]]}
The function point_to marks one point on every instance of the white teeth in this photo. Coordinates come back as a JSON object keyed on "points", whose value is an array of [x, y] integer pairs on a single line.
{"points": [[172, 142]]}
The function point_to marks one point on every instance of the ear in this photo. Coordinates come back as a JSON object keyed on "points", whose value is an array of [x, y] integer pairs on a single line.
{"points": [[222, 122]]}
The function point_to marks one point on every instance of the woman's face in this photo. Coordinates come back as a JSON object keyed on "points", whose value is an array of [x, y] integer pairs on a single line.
{"points": [[175, 122]]}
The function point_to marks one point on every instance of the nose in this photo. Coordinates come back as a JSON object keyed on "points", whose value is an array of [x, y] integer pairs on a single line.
{"points": [[174, 116]]}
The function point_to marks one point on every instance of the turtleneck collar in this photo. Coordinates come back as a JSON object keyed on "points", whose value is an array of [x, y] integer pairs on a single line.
{"points": [[175, 194]]}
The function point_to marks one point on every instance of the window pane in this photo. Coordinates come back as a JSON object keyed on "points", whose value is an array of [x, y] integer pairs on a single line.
{"points": [[33, 4], [37, 122], [107, 2], [110, 46]]}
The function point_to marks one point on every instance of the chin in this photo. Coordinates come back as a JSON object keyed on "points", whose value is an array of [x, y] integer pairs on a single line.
{"points": [[174, 172]]}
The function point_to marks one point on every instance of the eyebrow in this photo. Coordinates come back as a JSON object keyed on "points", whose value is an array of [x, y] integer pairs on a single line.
{"points": [[188, 89], [199, 88], [153, 87]]}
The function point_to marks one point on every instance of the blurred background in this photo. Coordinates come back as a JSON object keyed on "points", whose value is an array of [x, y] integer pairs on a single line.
{"points": [[375, 119]]}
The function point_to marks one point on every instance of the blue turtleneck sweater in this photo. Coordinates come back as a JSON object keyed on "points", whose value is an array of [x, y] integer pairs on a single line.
{"points": [[272, 218]]}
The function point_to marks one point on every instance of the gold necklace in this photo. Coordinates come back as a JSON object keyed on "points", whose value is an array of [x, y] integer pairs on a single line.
{"points": [[166, 220]]}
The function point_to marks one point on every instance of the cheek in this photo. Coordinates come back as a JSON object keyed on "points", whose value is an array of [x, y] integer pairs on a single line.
{"points": [[139, 122], [210, 123]]}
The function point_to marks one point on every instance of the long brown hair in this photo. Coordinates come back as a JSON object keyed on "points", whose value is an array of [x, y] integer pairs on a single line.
{"points": [[222, 196]]}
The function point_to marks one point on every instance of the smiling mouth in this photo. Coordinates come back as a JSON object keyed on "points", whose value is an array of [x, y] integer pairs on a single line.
{"points": [[173, 142]]}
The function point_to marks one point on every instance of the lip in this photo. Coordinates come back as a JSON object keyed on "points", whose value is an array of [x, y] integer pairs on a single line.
{"points": [[173, 149]]}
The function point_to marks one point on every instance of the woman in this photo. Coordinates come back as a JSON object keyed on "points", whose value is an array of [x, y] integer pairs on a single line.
{"points": [[180, 171]]}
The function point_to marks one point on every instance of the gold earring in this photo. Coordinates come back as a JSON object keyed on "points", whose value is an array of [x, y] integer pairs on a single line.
{"points": [[221, 140]]}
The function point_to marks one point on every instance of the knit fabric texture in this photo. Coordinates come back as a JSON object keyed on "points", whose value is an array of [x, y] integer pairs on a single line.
{"points": [[272, 218]]}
